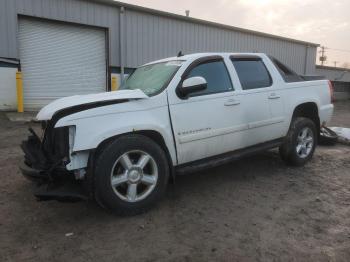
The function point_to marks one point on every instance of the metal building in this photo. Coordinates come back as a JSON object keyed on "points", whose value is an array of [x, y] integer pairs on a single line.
{"points": [[340, 78], [66, 47]]}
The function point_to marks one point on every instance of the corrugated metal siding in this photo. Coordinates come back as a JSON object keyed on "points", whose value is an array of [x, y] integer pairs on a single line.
{"points": [[74, 11], [148, 36], [8, 29], [311, 60]]}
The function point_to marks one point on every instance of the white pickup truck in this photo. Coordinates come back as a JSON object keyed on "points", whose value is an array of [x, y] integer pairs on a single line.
{"points": [[172, 116]]}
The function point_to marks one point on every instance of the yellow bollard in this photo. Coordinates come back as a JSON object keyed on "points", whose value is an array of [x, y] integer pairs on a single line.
{"points": [[19, 87], [114, 83]]}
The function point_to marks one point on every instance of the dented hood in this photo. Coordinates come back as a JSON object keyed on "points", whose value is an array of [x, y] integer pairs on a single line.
{"points": [[48, 111]]}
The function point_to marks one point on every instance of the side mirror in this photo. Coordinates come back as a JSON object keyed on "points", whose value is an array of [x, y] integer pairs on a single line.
{"points": [[191, 85]]}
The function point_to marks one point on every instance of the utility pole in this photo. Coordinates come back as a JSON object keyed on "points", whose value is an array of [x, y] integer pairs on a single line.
{"points": [[323, 58], [335, 63]]}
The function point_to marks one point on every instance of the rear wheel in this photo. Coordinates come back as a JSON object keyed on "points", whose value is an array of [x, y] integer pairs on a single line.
{"points": [[299, 145], [131, 175]]}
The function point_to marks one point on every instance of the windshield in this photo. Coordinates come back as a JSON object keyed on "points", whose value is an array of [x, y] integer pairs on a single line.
{"points": [[151, 79]]}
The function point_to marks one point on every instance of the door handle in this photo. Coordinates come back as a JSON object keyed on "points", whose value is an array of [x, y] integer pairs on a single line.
{"points": [[232, 102], [274, 96]]}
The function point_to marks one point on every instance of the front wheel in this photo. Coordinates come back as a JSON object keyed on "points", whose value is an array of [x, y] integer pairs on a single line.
{"points": [[131, 175], [300, 143]]}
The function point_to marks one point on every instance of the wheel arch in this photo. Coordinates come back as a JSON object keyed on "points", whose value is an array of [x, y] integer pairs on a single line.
{"points": [[155, 136], [309, 110]]}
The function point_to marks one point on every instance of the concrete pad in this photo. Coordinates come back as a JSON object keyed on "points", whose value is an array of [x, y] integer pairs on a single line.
{"points": [[21, 117]]}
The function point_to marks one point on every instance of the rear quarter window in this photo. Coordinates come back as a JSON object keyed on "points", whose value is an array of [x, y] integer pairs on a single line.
{"points": [[287, 74], [252, 73]]}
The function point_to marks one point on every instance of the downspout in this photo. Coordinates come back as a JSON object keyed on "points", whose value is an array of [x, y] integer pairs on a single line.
{"points": [[121, 43], [306, 58]]}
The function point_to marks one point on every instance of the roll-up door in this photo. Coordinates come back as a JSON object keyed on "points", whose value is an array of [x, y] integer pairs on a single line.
{"points": [[59, 60]]}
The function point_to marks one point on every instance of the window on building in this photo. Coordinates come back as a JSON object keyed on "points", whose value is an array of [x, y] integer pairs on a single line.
{"points": [[252, 73], [216, 75]]}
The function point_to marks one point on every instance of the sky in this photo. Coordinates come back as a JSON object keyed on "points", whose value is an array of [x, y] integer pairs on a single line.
{"points": [[325, 22]]}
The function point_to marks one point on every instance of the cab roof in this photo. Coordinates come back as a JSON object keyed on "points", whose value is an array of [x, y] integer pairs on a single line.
{"points": [[194, 56]]}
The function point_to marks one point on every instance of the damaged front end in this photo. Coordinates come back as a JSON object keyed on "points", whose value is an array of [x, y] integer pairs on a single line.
{"points": [[45, 162]]}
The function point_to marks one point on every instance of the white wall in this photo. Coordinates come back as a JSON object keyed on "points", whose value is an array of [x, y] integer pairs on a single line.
{"points": [[8, 96]]}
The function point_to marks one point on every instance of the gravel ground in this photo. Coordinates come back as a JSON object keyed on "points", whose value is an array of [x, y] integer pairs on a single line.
{"points": [[256, 209]]}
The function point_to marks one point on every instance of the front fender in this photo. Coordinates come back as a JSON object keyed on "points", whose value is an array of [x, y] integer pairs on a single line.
{"points": [[92, 131]]}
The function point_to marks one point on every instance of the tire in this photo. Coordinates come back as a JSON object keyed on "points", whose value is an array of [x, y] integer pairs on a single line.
{"points": [[297, 150], [327, 137], [132, 193]]}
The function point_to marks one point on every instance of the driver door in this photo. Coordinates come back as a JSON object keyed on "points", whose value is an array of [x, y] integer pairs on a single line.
{"points": [[208, 122]]}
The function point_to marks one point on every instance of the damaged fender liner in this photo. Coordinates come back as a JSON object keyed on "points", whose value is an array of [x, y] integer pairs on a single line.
{"points": [[44, 161]]}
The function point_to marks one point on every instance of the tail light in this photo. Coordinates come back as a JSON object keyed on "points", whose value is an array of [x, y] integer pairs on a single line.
{"points": [[331, 90]]}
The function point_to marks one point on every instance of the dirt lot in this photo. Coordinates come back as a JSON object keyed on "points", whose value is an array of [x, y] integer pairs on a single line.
{"points": [[256, 209]]}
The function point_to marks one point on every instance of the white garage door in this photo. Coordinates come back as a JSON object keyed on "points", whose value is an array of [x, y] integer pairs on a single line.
{"points": [[60, 60]]}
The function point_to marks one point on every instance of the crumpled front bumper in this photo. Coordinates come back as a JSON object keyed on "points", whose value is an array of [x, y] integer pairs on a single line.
{"points": [[53, 181], [32, 174], [67, 190]]}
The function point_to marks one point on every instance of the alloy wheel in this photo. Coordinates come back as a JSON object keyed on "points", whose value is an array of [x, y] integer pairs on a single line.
{"points": [[305, 142], [134, 176]]}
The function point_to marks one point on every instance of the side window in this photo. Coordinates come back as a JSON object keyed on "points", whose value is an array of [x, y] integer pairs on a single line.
{"points": [[252, 73], [288, 74], [216, 75]]}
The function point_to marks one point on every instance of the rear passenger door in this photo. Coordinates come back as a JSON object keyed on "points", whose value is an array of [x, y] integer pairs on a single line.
{"points": [[260, 100]]}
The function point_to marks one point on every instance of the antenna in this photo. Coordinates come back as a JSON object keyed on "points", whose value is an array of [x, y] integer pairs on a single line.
{"points": [[180, 54]]}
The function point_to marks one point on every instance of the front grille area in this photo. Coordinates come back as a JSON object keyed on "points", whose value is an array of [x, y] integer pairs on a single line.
{"points": [[61, 142], [51, 152], [34, 156], [55, 142]]}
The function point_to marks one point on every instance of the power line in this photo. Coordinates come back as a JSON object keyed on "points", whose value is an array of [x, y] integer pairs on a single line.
{"points": [[323, 56], [335, 49], [340, 50]]}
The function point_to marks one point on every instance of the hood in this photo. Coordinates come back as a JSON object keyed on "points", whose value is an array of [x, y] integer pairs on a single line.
{"points": [[48, 111]]}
